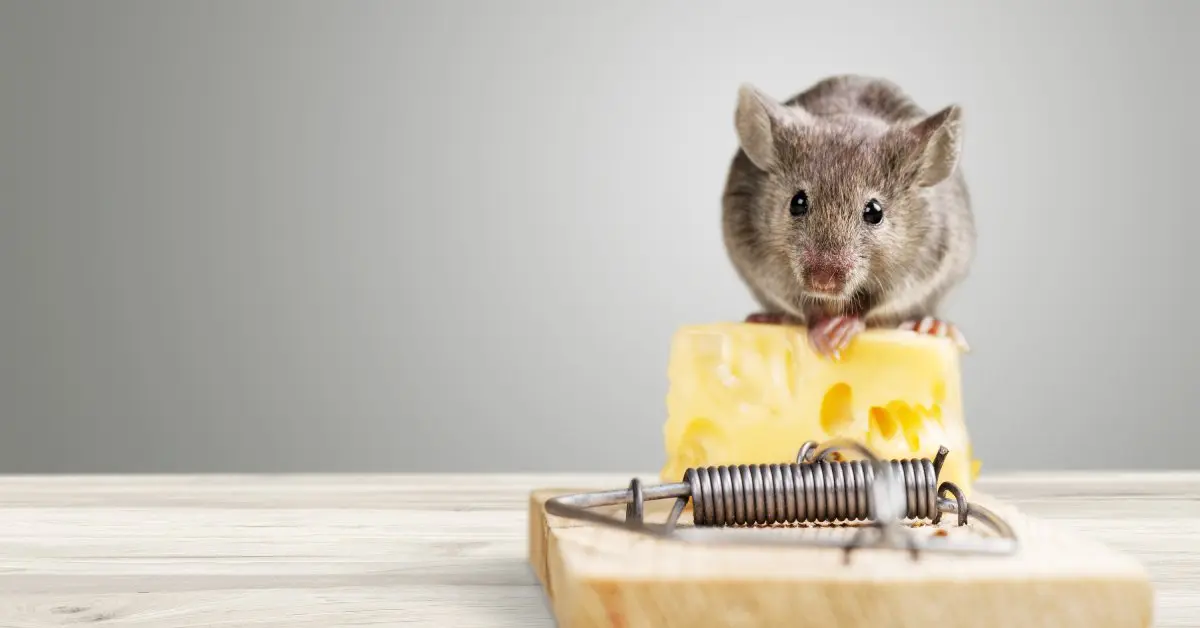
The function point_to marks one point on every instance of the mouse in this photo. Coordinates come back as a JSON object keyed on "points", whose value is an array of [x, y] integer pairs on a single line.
{"points": [[845, 208]]}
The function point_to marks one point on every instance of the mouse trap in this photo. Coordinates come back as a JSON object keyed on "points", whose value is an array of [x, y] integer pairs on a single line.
{"points": [[837, 537]]}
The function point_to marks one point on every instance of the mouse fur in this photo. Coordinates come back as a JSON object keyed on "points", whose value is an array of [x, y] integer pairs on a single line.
{"points": [[845, 141]]}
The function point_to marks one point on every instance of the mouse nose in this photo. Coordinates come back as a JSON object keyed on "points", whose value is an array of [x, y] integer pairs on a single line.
{"points": [[827, 279], [827, 270]]}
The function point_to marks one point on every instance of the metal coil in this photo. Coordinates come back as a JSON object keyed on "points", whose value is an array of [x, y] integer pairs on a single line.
{"points": [[817, 488], [821, 491]]}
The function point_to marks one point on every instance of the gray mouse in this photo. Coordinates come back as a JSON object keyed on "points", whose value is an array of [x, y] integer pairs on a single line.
{"points": [[845, 209]]}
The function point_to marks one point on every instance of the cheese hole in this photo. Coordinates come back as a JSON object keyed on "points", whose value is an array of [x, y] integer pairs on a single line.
{"points": [[881, 422], [836, 412], [910, 422]]}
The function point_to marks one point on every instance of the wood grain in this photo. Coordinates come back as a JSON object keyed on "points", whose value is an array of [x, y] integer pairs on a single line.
{"points": [[601, 576], [421, 550]]}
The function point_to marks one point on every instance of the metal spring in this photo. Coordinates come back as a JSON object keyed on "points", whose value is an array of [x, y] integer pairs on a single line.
{"points": [[814, 489], [819, 491]]}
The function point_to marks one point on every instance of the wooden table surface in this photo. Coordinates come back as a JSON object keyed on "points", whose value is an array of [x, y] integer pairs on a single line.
{"points": [[413, 550]]}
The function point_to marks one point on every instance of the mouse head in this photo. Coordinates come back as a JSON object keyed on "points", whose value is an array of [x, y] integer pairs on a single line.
{"points": [[841, 197]]}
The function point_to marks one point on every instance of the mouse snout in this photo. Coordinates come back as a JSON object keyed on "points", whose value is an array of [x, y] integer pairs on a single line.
{"points": [[827, 280], [827, 271]]}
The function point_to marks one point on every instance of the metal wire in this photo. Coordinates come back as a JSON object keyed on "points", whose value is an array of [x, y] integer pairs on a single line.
{"points": [[814, 489], [823, 491]]}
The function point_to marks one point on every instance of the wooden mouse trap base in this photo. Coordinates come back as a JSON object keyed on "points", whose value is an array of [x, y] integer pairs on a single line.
{"points": [[595, 575]]}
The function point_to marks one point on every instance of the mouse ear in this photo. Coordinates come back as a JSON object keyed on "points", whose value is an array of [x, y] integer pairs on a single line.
{"points": [[758, 118], [940, 137]]}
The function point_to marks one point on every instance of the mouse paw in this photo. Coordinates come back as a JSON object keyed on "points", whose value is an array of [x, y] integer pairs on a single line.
{"points": [[831, 336], [939, 328]]}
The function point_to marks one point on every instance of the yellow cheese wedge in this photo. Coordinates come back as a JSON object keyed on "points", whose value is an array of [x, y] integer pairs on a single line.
{"points": [[745, 393]]}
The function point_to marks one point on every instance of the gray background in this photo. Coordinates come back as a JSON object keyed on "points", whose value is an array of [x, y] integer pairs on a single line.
{"points": [[294, 236]]}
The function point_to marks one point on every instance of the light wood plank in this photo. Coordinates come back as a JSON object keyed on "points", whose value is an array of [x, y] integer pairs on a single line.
{"points": [[417, 605], [423, 550], [600, 576]]}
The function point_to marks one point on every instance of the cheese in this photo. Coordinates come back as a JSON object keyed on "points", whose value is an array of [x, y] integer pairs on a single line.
{"points": [[745, 393]]}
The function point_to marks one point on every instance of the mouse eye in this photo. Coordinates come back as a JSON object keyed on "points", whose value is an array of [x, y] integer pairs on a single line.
{"points": [[873, 212], [799, 204]]}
